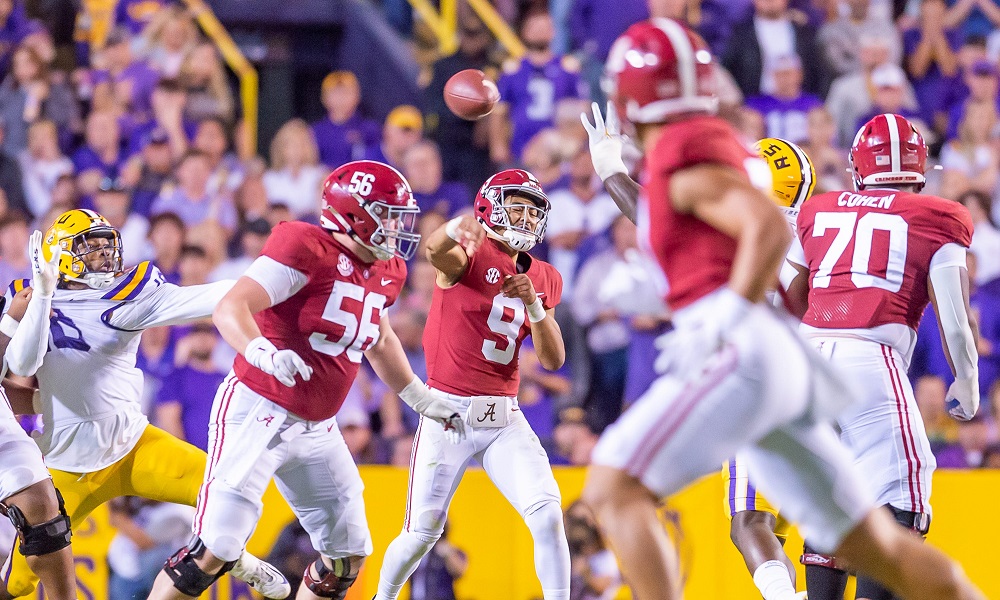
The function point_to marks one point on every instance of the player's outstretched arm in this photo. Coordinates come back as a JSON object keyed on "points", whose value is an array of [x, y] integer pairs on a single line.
{"points": [[606, 143], [390, 364], [724, 198], [450, 246], [545, 332], [28, 345], [948, 285]]}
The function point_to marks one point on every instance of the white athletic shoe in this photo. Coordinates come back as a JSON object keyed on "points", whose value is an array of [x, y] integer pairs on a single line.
{"points": [[801, 596], [262, 576]]}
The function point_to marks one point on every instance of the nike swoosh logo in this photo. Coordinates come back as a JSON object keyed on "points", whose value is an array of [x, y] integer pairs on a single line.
{"points": [[540, 294], [386, 281]]}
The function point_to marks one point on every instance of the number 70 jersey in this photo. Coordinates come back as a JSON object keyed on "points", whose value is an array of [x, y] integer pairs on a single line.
{"points": [[474, 333], [869, 254]]}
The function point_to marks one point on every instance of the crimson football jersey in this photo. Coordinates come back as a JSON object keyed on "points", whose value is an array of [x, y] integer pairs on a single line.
{"points": [[330, 322], [474, 333], [695, 257], [869, 254]]}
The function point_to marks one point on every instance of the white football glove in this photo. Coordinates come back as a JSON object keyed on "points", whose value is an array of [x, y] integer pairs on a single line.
{"points": [[44, 274], [284, 365], [962, 400], [442, 410], [606, 142]]}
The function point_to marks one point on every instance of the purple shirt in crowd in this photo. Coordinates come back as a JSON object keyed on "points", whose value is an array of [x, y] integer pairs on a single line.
{"points": [[933, 89], [194, 390], [448, 199], [193, 211], [142, 79], [532, 93], [134, 15], [340, 143], [86, 158], [784, 118], [599, 22], [17, 27]]}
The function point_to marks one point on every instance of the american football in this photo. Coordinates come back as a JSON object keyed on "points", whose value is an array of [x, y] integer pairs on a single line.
{"points": [[470, 94]]}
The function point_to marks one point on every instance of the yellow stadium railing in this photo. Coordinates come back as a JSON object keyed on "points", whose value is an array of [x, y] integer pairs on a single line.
{"points": [[444, 24]]}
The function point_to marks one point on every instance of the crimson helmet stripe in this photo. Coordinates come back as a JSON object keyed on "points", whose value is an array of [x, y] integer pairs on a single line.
{"points": [[681, 44], [895, 162]]}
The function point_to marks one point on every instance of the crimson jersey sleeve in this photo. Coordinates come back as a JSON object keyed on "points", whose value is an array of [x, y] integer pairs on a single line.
{"points": [[294, 244]]}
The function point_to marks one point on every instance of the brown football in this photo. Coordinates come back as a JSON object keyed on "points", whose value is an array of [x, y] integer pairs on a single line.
{"points": [[470, 95]]}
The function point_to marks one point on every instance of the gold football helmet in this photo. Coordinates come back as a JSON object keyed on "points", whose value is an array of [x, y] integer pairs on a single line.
{"points": [[91, 248], [791, 171]]}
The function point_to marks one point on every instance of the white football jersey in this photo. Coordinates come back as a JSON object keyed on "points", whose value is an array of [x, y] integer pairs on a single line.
{"points": [[89, 384]]}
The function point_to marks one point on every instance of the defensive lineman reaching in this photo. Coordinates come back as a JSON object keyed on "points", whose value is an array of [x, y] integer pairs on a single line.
{"points": [[27, 495], [870, 260], [301, 317], [490, 295], [97, 442], [736, 375]]}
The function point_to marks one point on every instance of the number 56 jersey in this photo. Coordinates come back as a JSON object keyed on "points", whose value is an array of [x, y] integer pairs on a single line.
{"points": [[869, 255], [474, 333], [327, 308]]}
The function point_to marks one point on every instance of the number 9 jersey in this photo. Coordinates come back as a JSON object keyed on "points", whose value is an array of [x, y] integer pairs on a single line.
{"points": [[329, 304], [473, 332]]}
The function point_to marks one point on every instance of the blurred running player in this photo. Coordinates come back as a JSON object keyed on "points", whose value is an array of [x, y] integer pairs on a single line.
{"points": [[734, 375], [27, 495], [490, 295], [873, 259], [97, 442], [302, 317]]}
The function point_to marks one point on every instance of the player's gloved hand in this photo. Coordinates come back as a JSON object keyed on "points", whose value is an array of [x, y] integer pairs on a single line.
{"points": [[284, 365], [442, 410], [962, 400], [684, 350], [606, 141], [44, 274]]}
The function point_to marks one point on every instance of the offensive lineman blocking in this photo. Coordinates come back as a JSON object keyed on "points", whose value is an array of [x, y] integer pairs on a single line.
{"points": [[490, 295]]}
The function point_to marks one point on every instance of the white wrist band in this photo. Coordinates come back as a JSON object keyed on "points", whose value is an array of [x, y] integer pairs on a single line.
{"points": [[8, 325], [536, 311], [451, 229]]}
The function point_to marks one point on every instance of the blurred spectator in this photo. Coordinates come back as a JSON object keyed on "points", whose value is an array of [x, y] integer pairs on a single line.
{"points": [[750, 125], [974, 17], [169, 38], [967, 452], [65, 196], [190, 198], [148, 532], [574, 438], [11, 181], [212, 138], [342, 135], [578, 211], [539, 392], [194, 265], [889, 96], [985, 237], [155, 358], [27, 95], [434, 578], [785, 110], [251, 199], [839, 38], [42, 164], [112, 201], [830, 162], [595, 574], [593, 26], [185, 399], [14, 27], [292, 553], [954, 90], [128, 82], [134, 15], [404, 126], [752, 63], [208, 92], [295, 176], [463, 144], [851, 95], [530, 89], [14, 235], [252, 237], [970, 161], [544, 157], [423, 169], [400, 450], [355, 425], [567, 122], [168, 101], [930, 56], [166, 237], [102, 155], [981, 80], [157, 166], [394, 419], [991, 457]]}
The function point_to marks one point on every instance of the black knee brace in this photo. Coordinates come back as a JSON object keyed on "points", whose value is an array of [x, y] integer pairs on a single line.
{"points": [[187, 576], [328, 585], [914, 521], [44, 538]]}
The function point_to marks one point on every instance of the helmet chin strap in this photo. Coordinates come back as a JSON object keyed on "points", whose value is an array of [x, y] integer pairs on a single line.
{"points": [[95, 281], [515, 240]]}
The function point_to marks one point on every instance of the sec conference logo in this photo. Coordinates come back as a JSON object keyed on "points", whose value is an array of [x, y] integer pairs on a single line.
{"points": [[492, 275], [344, 265]]}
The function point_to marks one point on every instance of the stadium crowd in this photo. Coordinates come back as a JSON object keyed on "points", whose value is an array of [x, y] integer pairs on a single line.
{"points": [[147, 131]]}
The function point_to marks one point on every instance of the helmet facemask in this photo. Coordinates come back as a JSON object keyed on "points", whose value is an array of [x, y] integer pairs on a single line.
{"points": [[520, 215], [94, 257], [395, 234]]}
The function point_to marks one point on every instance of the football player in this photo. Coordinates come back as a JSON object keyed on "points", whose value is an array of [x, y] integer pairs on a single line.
{"points": [[490, 295], [734, 375], [27, 495], [309, 307], [873, 258], [97, 443]]}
